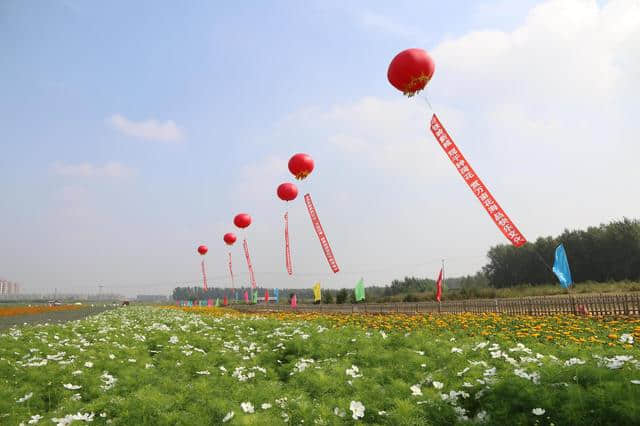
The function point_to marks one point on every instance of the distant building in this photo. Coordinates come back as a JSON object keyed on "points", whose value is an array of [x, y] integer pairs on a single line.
{"points": [[151, 298]]}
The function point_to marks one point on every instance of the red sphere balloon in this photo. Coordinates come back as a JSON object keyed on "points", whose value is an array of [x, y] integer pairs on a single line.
{"points": [[229, 238], [242, 220], [287, 191], [301, 165], [203, 250], [410, 71]]}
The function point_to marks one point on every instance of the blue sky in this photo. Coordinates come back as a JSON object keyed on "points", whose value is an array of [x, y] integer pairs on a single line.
{"points": [[134, 131]]}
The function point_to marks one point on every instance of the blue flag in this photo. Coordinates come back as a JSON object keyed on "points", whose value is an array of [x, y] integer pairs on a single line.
{"points": [[275, 294], [561, 267]]}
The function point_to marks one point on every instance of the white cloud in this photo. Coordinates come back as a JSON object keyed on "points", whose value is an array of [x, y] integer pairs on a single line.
{"points": [[151, 130], [111, 169]]}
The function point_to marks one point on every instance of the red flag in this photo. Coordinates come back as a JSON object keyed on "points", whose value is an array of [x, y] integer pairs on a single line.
{"points": [[439, 286], [476, 185], [266, 296], [294, 301], [321, 235], [287, 248], [246, 296], [224, 300]]}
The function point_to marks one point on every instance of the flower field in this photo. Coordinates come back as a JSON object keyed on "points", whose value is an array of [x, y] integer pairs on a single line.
{"points": [[30, 310], [143, 365]]}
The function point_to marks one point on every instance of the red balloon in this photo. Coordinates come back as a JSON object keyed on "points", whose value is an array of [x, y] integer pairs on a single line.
{"points": [[242, 220], [410, 71], [229, 238], [203, 250], [301, 165], [287, 191]]}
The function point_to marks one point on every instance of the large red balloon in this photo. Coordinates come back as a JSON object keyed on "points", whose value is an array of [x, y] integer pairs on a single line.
{"points": [[242, 220], [229, 238], [203, 250], [301, 165], [410, 71], [287, 191]]}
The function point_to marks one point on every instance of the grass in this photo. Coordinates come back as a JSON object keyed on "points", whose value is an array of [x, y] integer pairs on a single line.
{"points": [[174, 366]]}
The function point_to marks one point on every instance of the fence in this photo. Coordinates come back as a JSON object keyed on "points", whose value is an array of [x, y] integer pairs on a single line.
{"points": [[599, 305]]}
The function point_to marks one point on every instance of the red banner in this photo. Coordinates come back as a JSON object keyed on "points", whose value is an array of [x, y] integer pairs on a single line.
{"points": [[490, 204], [204, 276], [287, 248], [233, 284], [249, 266], [321, 235]]}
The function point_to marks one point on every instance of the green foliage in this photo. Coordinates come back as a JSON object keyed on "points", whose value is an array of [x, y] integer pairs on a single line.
{"points": [[605, 253]]}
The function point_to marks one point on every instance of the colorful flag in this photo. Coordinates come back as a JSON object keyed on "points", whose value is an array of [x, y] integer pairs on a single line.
{"points": [[294, 301], [561, 267], [225, 302], [246, 296], [439, 285], [209, 302], [217, 302], [287, 247], [275, 294], [255, 295], [266, 296], [317, 294], [204, 276], [360, 290]]}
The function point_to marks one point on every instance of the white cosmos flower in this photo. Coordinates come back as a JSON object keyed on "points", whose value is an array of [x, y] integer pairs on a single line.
{"points": [[88, 364], [626, 338], [228, 417], [203, 372], [247, 407], [76, 373], [148, 365], [538, 411], [25, 398], [338, 412], [573, 361], [353, 371], [357, 409], [173, 340], [382, 413], [35, 419], [383, 334], [438, 385], [456, 350], [636, 382], [131, 360], [71, 387], [265, 406], [112, 356], [76, 397], [416, 391]]}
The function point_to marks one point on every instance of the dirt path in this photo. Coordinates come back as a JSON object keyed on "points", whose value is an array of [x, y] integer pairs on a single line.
{"points": [[51, 317]]}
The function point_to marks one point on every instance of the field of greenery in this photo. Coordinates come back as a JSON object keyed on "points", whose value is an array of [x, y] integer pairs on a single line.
{"points": [[166, 366]]}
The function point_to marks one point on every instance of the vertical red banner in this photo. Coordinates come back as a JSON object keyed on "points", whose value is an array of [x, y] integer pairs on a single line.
{"points": [[204, 276], [476, 185], [233, 284], [287, 248], [321, 235], [249, 265]]}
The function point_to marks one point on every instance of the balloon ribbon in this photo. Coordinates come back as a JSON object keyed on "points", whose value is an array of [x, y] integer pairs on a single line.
{"points": [[321, 235], [476, 185], [249, 266], [204, 275], [233, 285], [287, 249]]}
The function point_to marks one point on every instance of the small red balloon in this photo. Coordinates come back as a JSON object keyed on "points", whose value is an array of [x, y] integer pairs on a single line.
{"points": [[410, 71], [242, 220], [287, 191], [301, 165], [203, 250], [229, 238]]}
